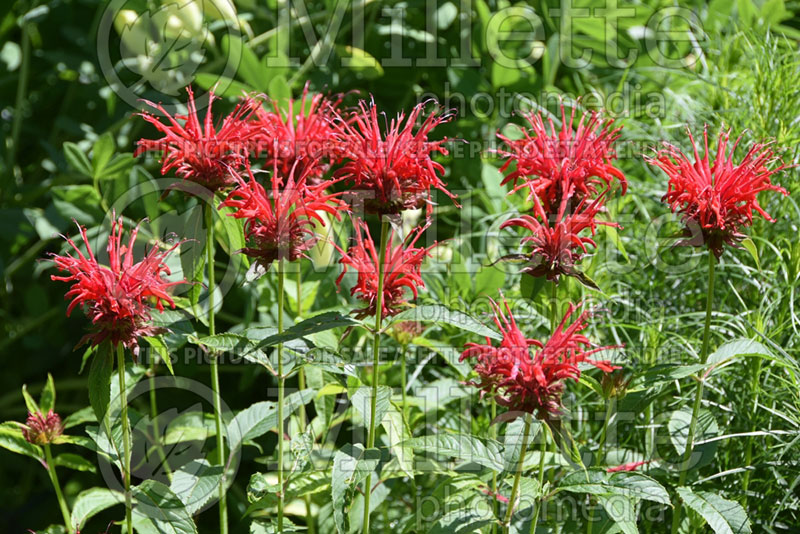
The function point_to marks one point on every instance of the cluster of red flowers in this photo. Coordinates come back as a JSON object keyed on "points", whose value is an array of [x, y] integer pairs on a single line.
{"points": [[527, 375], [117, 297], [718, 198], [568, 174]]}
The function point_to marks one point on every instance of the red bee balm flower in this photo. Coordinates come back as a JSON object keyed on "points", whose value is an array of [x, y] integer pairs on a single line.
{"points": [[279, 224], [198, 152], [719, 197], [117, 298], [41, 429], [556, 240], [562, 164], [402, 270], [395, 171], [532, 382], [301, 137]]}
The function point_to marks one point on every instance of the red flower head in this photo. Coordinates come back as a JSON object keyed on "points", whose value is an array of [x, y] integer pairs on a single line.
{"points": [[402, 270], [562, 164], [117, 298], [42, 430], [719, 197], [555, 239], [198, 152], [279, 224], [532, 382], [303, 136], [395, 171]]}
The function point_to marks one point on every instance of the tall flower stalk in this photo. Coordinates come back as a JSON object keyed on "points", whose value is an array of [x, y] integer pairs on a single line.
{"points": [[214, 357], [376, 355], [716, 200], [118, 299], [281, 393], [62, 503], [126, 437]]}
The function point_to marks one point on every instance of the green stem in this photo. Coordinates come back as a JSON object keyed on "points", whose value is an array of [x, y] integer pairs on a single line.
{"points": [[554, 306], [154, 420], [301, 383], [376, 352], [62, 503], [515, 488], [687, 454], [493, 435], [223, 507], [281, 392], [542, 452], [126, 436], [19, 104], [600, 455], [749, 447]]}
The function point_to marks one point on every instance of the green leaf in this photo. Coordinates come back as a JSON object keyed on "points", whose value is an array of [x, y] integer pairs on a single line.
{"points": [[512, 441], [118, 165], [441, 314], [158, 506], [30, 403], [722, 515], [398, 435], [91, 502], [621, 510], [351, 465], [73, 461], [47, 400], [736, 348], [77, 159], [359, 61], [627, 484], [262, 417], [250, 69], [361, 400], [280, 92], [318, 323], [196, 483], [100, 380], [157, 344], [102, 152], [223, 86], [11, 438], [462, 446], [750, 246], [678, 427]]}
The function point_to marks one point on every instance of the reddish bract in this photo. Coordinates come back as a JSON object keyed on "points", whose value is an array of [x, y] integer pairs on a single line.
{"points": [[402, 270], [279, 223], [199, 153], [41, 429], [117, 298], [563, 164], [721, 197], [633, 466], [532, 382], [393, 171]]}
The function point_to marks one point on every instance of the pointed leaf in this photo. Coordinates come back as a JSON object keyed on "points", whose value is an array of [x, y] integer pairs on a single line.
{"points": [[91, 502], [722, 515]]}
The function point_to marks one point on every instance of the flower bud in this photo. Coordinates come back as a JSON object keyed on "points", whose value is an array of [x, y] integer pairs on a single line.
{"points": [[42, 430]]}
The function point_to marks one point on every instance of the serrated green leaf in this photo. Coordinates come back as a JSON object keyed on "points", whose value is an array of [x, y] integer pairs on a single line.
{"points": [[722, 515], [91, 502], [464, 447], [361, 400], [196, 483], [627, 484], [73, 461], [318, 323], [441, 314], [102, 151], [158, 506], [351, 465], [738, 347], [11, 438], [262, 417], [398, 435]]}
